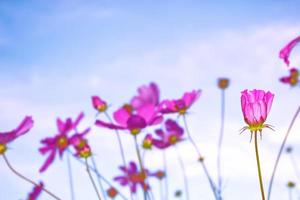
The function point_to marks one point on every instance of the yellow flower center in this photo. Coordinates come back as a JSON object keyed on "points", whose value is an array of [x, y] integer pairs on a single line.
{"points": [[62, 142], [135, 131], [173, 139], [102, 108], [182, 111], [2, 148], [147, 144], [85, 153]]}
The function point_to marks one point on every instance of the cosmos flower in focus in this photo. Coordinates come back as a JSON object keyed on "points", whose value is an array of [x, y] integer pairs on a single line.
{"points": [[36, 192], [172, 134], [99, 104], [256, 105], [7, 137], [179, 105], [292, 79], [60, 142], [286, 50]]}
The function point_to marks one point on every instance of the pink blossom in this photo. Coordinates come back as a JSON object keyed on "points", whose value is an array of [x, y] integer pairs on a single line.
{"points": [[286, 50], [133, 120], [60, 142], [148, 141], [99, 104], [6, 137], [292, 79], [179, 105], [147, 95], [256, 105], [172, 134], [36, 192]]}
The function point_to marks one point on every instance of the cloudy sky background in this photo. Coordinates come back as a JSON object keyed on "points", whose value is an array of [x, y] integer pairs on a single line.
{"points": [[55, 55]]}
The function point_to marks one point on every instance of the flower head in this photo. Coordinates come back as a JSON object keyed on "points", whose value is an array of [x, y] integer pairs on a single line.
{"points": [[7, 137], [61, 141], [147, 95], [36, 191], [148, 141], [256, 105], [81, 145], [112, 192], [99, 104], [172, 134], [286, 50], [179, 105], [223, 83], [292, 79]]}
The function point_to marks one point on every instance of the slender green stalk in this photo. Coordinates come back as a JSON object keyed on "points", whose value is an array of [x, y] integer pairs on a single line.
{"points": [[258, 168], [280, 152], [211, 183], [91, 179], [70, 178], [290, 193], [27, 179], [185, 179], [166, 175], [98, 178], [220, 143]]}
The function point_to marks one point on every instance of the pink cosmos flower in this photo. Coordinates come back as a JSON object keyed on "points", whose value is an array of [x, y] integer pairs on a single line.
{"points": [[292, 79], [36, 192], [6, 137], [133, 120], [148, 141], [60, 142], [80, 144], [173, 133], [147, 95], [99, 104], [256, 105], [180, 105], [286, 50]]}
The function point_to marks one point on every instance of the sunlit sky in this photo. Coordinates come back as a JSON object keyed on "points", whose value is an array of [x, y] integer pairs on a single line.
{"points": [[55, 54]]}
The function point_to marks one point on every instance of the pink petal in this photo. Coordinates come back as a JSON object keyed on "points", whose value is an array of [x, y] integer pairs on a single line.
{"points": [[121, 116], [108, 125], [286, 50], [48, 161]]}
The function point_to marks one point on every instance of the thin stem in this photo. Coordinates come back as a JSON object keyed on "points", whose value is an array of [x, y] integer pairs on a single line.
{"points": [[91, 178], [99, 175], [258, 168], [280, 152], [295, 166], [98, 179], [161, 189], [185, 179], [140, 161], [290, 193], [70, 178], [27, 179], [220, 143], [211, 183], [166, 175]]}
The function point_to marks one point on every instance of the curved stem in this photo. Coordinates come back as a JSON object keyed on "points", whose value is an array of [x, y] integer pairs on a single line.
{"points": [[258, 168], [211, 183], [185, 179], [91, 178], [220, 143], [166, 175], [98, 179], [280, 152], [70, 178], [27, 179]]}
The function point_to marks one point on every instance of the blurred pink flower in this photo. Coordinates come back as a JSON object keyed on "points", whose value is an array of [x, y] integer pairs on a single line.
{"points": [[256, 105], [147, 95], [148, 141], [99, 104], [133, 120], [292, 79], [36, 192], [173, 133], [180, 105], [80, 144], [286, 50], [60, 142], [6, 137]]}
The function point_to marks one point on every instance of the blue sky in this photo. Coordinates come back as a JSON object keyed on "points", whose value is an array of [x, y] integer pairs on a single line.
{"points": [[55, 54]]}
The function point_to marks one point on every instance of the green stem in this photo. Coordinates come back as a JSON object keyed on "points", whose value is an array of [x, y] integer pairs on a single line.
{"points": [[70, 177], [166, 175], [91, 178], [258, 168]]}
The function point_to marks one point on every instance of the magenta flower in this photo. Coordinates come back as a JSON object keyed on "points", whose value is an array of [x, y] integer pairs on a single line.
{"points": [[80, 144], [99, 104], [133, 120], [132, 177], [180, 105], [147, 95], [256, 106], [286, 51], [148, 141], [7, 137], [173, 133], [60, 142], [292, 79], [36, 192]]}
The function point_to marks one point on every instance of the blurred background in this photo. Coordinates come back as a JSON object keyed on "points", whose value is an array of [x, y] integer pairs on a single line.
{"points": [[55, 54]]}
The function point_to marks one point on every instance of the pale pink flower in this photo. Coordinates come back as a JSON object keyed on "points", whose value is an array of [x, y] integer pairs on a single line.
{"points": [[287, 49], [99, 104], [147, 95]]}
